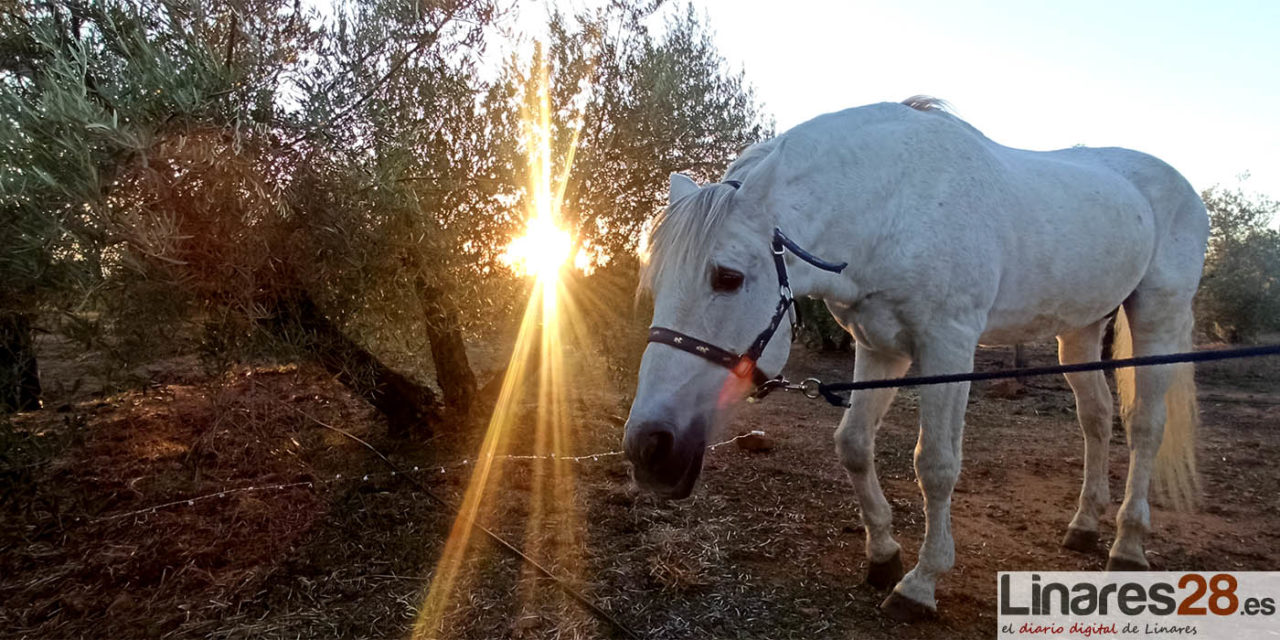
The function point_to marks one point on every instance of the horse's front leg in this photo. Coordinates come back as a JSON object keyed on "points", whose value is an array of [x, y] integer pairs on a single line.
{"points": [[855, 444], [937, 460]]}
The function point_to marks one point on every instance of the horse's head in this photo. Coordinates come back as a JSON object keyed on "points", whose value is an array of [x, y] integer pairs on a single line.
{"points": [[710, 270]]}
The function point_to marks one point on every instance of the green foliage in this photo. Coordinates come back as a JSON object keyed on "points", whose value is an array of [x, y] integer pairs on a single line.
{"points": [[173, 173], [407, 181], [1239, 295], [86, 90], [649, 106], [173, 169], [661, 105]]}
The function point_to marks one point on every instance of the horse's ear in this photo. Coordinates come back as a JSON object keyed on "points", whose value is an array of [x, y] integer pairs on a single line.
{"points": [[681, 186]]}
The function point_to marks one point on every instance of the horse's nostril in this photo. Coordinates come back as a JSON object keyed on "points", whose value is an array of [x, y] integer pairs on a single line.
{"points": [[656, 447]]}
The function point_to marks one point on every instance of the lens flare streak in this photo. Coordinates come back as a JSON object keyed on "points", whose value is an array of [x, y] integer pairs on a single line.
{"points": [[554, 525]]}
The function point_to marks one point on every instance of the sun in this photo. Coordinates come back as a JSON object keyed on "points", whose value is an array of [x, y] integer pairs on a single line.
{"points": [[541, 252], [545, 246]]}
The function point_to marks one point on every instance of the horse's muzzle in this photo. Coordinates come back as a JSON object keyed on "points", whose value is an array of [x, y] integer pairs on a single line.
{"points": [[664, 459]]}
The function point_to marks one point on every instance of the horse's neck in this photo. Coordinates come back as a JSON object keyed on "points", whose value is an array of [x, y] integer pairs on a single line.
{"points": [[864, 203], [825, 235], [851, 231]]}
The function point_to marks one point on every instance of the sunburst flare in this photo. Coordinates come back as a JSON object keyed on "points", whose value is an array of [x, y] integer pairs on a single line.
{"points": [[542, 252]]}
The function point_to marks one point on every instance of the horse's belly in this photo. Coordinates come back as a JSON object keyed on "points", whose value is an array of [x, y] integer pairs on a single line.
{"points": [[1060, 293], [1034, 329]]}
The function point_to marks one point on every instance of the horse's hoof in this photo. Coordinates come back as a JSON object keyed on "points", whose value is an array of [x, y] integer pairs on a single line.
{"points": [[883, 575], [1125, 564], [903, 609], [1080, 540]]}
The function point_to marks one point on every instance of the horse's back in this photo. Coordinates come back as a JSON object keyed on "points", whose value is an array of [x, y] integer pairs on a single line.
{"points": [[1082, 172], [1051, 240], [1181, 221], [1108, 222], [1092, 225], [1165, 189]]}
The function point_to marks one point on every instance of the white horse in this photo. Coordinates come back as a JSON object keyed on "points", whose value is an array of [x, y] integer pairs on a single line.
{"points": [[951, 241]]}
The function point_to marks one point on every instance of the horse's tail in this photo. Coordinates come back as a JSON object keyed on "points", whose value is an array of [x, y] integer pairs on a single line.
{"points": [[1175, 476]]}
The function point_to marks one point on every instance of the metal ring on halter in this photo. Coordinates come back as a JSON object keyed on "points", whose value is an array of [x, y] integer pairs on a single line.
{"points": [[811, 388]]}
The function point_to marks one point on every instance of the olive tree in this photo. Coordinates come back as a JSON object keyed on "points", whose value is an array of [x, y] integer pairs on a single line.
{"points": [[1239, 293]]}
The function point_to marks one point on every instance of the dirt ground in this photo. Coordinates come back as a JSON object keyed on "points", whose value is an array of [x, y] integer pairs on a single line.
{"points": [[768, 547]]}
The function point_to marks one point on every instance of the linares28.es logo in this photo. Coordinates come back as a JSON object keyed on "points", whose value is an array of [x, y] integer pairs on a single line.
{"points": [[1194, 595]]}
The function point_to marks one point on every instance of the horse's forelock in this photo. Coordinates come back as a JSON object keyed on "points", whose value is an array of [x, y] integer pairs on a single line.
{"points": [[681, 236]]}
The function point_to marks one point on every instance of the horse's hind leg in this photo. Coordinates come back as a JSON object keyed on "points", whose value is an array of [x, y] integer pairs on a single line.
{"points": [[1158, 324], [1093, 408], [855, 444]]}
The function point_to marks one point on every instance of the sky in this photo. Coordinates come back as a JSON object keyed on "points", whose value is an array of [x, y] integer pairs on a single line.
{"points": [[1195, 83]]}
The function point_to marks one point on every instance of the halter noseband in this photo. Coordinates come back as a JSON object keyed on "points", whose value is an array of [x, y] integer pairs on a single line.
{"points": [[744, 364]]}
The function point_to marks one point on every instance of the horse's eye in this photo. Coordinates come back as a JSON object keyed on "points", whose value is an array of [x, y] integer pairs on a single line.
{"points": [[725, 280]]}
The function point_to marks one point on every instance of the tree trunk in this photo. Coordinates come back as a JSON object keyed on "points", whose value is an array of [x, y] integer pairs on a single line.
{"points": [[410, 408], [1019, 356], [448, 350], [19, 371]]}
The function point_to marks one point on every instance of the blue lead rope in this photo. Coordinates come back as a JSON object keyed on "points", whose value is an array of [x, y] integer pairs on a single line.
{"points": [[830, 391]]}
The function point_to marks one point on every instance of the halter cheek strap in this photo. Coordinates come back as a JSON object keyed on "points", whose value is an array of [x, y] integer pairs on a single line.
{"points": [[744, 364]]}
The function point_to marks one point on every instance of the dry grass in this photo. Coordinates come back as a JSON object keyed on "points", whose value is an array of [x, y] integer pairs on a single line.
{"points": [[680, 559], [72, 568], [768, 547]]}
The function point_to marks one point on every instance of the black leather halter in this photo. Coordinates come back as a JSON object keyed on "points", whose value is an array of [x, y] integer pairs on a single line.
{"points": [[743, 364]]}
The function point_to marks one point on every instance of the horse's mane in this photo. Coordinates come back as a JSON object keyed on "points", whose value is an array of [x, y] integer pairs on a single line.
{"points": [[682, 234], [928, 103]]}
